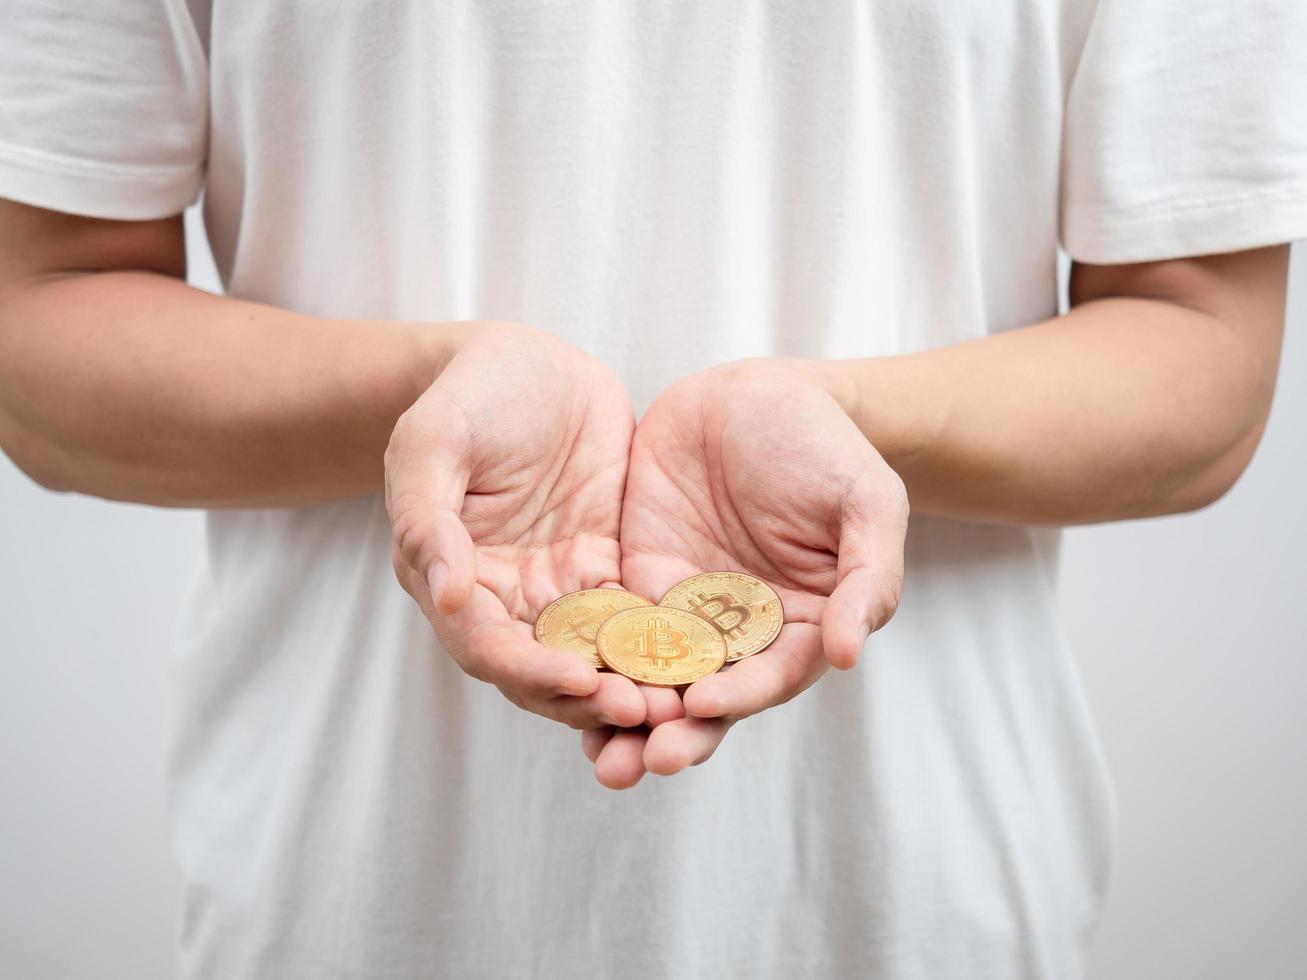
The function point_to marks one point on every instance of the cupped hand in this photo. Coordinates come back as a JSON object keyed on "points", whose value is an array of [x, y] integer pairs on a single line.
{"points": [[504, 486], [755, 467]]}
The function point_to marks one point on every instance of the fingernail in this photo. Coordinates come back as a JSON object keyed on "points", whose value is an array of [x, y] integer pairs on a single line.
{"points": [[437, 577], [864, 631], [605, 720]]}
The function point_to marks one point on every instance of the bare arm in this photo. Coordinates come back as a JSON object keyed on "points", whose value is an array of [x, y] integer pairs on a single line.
{"points": [[119, 380], [1147, 398]]}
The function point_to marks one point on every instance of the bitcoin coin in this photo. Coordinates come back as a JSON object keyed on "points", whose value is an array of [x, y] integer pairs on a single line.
{"points": [[745, 609], [654, 645], [570, 622]]}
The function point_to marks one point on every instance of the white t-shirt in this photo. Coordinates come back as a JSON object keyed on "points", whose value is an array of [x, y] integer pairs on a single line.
{"points": [[668, 185]]}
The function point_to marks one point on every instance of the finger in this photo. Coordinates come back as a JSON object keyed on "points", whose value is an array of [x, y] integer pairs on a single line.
{"points": [[652, 575], [857, 605], [436, 545], [620, 764], [661, 704], [451, 572], [684, 742], [616, 701], [869, 568], [577, 713], [785, 669], [594, 739], [427, 473], [491, 647]]}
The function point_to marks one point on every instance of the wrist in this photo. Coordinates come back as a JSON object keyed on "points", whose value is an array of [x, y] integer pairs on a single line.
{"points": [[381, 368], [836, 378], [887, 398], [431, 346], [901, 406]]}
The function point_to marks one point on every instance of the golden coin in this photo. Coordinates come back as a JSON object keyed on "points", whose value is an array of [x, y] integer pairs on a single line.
{"points": [[570, 622], [745, 609], [661, 646]]}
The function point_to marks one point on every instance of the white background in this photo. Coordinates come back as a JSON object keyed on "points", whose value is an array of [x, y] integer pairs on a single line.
{"points": [[1190, 631]]}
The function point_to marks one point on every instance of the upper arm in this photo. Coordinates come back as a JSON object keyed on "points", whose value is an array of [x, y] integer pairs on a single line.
{"points": [[1241, 293], [37, 247], [1238, 288], [37, 244], [105, 118]]}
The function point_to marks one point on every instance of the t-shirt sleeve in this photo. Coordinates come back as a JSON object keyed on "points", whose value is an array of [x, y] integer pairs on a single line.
{"points": [[1186, 130], [103, 106]]}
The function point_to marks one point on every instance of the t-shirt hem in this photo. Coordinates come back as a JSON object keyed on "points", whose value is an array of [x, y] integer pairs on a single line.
{"points": [[1271, 216], [96, 189]]}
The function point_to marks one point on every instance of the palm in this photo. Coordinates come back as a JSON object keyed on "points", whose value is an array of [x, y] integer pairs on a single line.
{"points": [[542, 508], [744, 473], [753, 468], [504, 484], [721, 480]]}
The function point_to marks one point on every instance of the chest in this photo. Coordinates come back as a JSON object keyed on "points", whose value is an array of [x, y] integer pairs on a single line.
{"points": [[671, 62]]}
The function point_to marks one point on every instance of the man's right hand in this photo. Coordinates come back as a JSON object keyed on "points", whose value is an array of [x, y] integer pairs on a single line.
{"points": [[504, 485]]}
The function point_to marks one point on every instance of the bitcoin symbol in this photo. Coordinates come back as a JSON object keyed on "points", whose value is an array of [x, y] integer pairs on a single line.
{"points": [[660, 644], [727, 615], [584, 623]]}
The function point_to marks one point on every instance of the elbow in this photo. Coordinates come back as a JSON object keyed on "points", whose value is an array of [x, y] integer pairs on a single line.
{"points": [[1217, 473], [33, 456], [1218, 446], [30, 449]]}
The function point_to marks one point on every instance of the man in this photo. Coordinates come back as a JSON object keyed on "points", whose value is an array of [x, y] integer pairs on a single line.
{"points": [[815, 247]]}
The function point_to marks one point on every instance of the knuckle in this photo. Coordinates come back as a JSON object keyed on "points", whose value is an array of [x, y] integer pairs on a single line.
{"points": [[513, 696], [399, 565], [409, 537], [414, 537]]}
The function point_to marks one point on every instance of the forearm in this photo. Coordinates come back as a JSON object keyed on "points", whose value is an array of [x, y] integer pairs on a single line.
{"points": [[135, 386], [1122, 408]]}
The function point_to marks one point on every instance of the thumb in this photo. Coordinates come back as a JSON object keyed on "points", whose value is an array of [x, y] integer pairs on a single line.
{"points": [[442, 553], [426, 482], [869, 568]]}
